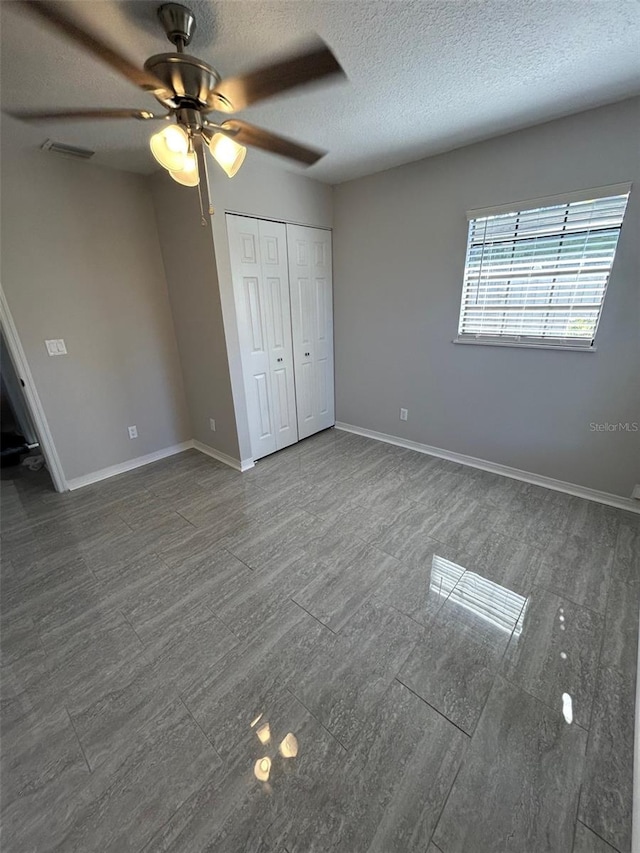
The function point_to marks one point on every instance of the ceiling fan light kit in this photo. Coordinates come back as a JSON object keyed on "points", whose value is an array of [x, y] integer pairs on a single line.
{"points": [[170, 147], [229, 155], [188, 176], [190, 89]]}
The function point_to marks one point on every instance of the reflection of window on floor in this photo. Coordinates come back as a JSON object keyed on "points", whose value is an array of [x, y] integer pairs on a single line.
{"points": [[494, 603], [444, 575]]}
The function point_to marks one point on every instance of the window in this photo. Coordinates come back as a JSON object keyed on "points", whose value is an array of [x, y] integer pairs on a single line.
{"points": [[538, 276]]}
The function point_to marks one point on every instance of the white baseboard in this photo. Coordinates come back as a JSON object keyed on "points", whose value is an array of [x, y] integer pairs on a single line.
{"points": [[238, 464], [497, 468], [129, 465]]}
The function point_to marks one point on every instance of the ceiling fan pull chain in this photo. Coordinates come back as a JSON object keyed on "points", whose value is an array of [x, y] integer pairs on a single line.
{"points": [[210, 211], [203, 221]]}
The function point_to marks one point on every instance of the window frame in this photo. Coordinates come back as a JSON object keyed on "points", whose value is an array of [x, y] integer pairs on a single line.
{"points": [[574, 344]]}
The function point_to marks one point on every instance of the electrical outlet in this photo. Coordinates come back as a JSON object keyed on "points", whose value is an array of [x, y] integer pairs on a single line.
{"points": [[404, 414], [133, 431], [56, 347], [212, 424]]}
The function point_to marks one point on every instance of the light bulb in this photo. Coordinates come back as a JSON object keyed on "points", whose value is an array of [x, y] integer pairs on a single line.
{"points": [[228, 153], [289, 746], [187, 176], [262, 768], [264, 733], [170, 147]]}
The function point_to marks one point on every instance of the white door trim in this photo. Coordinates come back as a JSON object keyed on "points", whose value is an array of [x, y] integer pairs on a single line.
{"points": [[32, 398]]}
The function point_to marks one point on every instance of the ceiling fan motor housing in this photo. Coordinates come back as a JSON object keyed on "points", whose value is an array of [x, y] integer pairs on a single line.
{"points": [[190, 79]]}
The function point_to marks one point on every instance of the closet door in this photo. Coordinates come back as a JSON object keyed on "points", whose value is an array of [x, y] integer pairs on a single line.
{"points": [[261, 288], [310, 278]]}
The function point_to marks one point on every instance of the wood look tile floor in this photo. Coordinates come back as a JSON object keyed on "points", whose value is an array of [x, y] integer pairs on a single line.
{"points": [[455, 653]]}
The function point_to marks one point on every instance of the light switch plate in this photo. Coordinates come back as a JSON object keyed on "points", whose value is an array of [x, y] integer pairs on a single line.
{"points": [[56, 347]]}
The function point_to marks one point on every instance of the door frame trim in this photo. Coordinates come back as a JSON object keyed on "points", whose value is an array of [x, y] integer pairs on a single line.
{"points": [[32, 398], [281, 221]]}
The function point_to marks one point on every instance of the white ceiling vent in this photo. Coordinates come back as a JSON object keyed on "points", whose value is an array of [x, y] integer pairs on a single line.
{"points": [[69, 150]]}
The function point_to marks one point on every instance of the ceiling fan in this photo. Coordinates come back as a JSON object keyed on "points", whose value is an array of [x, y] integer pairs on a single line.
{"points": [[190, 90]]}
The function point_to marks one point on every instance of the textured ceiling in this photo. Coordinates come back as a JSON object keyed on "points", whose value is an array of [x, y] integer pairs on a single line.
{"points": [[425, 76]]}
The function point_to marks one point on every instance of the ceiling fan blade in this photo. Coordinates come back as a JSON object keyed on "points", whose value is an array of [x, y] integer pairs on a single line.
{"points": [[236, 93], [51, 13], [249, 134], [79, 115]]}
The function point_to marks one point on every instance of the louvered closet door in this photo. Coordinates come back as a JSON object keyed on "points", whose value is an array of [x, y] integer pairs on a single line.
{"points": [[261, 288], [312, 325]]}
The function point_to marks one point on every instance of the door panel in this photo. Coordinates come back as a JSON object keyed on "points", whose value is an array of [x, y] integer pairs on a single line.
{"points": [[312, 325], [262, 393], [275, 270], [261, 288], [252, 322]]}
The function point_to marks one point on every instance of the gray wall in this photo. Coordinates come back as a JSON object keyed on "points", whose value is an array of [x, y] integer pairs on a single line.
{"points": [[81, 261], [190, 267], [399, 253], [265, 189]]}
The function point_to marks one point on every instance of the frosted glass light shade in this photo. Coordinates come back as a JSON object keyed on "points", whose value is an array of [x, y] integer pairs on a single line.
{"points": [[188, 176], [228, 153], [170, 147]]}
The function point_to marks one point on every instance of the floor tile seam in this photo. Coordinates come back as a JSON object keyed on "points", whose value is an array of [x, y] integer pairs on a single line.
{"points": [[519, 686], [630, 583], [158, 831], [330, 561], [21, 587], [23, 654], [574, 828], [195, 721], [467, 746], [371, 593], [195, 526], [84, 755], [36, 628], [146, 527], [433, 708], [315, 618], [143, 645], [568, 598], [599, 664], [473, 734], [481, 643], [297, 698], [597, 834], [239, 559], [542, 550], [228, 627], [146, 648], [425, 628]]}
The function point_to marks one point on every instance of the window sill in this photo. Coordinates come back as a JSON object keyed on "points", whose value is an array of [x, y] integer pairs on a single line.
{"points": [[522, 345]]}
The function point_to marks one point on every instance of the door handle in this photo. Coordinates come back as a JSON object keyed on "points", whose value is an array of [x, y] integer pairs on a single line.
{"points": [[307, 353], [279, 359]]}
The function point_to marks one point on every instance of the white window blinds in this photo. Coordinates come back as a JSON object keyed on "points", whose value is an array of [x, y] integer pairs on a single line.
{"points": [[539, 275]]}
